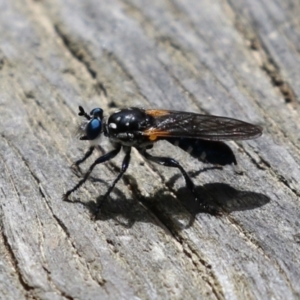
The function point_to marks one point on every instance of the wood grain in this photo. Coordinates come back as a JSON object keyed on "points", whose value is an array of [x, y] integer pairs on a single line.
{"points": [[237, 59]]}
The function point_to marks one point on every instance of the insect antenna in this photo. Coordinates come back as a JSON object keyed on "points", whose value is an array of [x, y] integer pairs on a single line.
{"points": [[83, 113]]}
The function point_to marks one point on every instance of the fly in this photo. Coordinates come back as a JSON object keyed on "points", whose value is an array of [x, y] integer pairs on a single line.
{"points": [[199, 135]]}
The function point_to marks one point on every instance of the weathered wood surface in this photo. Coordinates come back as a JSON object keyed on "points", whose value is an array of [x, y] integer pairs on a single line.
{"points": [[232, 58]]}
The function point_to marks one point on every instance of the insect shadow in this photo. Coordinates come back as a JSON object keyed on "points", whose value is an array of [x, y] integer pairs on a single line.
{"points": [[162, 208]]}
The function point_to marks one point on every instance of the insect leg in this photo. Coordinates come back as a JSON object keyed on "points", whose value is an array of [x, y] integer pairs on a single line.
{"points": [[170, 162], [101, 159], [125, 165], [86, 155]]}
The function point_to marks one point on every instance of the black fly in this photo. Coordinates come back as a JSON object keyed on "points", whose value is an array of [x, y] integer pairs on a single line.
{"points": [[200, 135]]}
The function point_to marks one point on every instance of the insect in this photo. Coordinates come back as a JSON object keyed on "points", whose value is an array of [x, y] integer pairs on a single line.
{"points": [[200, 135]]}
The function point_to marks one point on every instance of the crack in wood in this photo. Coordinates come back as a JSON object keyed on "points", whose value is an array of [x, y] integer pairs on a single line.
{"points": [[80, 56], [269, 65], [210, 279], [14, 261], [249, 239], [68, 235], [10, 175], [264, 165]]}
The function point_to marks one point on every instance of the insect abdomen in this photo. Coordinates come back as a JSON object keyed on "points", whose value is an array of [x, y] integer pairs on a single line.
{"points": [[213, 152]]}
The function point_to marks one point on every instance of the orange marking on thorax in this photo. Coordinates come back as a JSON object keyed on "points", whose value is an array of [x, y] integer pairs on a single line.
{"points": [[157, 112], [153, 134], [152, 137]]}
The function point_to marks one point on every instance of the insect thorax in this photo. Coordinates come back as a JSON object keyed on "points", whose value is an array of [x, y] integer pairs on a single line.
{"points": [[126, 127]]}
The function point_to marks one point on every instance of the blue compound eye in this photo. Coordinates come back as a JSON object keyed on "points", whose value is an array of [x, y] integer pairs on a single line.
{"points": [[93, 129], [97, 112]]}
